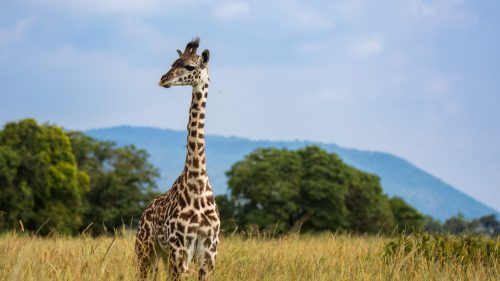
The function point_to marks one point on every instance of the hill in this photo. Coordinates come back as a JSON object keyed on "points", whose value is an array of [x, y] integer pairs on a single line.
{"points": [[422, 190]]}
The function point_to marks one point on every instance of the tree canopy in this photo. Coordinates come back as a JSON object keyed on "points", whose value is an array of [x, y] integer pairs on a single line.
{"points": [[122, 181], [281, 190], [39, 179], [52, 180], [405, 215]]}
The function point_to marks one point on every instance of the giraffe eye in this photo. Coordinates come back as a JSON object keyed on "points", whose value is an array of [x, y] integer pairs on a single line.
{"points": [[189, 67]]}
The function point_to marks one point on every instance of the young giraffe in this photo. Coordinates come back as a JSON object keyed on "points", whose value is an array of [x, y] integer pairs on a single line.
{"points": [[183, 223]]}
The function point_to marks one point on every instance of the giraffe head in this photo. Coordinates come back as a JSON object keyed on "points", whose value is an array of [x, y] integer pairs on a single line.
{"points": [[189, 69]]}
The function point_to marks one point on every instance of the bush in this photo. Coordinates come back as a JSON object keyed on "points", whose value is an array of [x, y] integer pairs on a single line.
{"points": [[465, 250]]}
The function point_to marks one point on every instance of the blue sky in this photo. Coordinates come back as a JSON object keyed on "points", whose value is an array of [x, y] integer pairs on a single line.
{"points": [[417, 78]]}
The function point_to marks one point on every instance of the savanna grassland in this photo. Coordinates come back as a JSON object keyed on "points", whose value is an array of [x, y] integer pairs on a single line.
{"points": [[318, 257]]}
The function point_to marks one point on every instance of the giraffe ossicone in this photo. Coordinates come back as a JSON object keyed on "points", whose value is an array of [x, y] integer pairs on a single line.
{"points": [[182, 224]]}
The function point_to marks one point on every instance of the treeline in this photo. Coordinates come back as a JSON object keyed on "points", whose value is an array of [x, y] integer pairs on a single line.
{"points": [[486, 225], [66, 182], [281, 191], [284, 191], [52, 180]]}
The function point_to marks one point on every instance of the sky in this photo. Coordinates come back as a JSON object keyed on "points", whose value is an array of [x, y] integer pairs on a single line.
{"points": [[415, 78]]}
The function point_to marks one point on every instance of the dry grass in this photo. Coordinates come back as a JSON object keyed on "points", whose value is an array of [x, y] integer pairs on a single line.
{"points": [[322, 257]]}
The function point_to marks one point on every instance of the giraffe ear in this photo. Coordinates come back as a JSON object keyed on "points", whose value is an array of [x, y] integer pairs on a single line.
{"points": [[179, 53], [205, 56]]}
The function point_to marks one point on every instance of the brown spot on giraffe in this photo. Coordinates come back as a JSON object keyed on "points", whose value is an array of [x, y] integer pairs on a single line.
{"points": [[194, 219], [187, 215], [196, 162], [192, 145]]}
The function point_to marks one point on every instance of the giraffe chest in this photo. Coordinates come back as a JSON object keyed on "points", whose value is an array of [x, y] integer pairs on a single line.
{"points": [[191, 228], [188, 214], [197, 213]]}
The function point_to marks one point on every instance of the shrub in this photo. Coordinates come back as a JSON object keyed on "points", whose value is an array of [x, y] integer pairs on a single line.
{"points": [[465, 250]]}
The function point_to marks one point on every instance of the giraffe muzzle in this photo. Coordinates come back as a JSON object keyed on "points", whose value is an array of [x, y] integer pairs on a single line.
{"points": [[165, 81]]}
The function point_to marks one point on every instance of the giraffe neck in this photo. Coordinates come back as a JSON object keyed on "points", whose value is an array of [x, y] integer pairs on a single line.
{"points": [[195, 167]]}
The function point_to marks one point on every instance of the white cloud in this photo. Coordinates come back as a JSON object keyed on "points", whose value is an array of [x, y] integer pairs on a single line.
{"points": [[441, 10], [422, 7], [115, 7], [369, 47], [17, 32], [13, 37], [306, 17], [232, 10]]}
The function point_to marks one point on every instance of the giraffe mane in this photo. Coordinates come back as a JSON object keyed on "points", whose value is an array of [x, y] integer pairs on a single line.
{"points": [[190, 51], [194, 44], [191, 47]]}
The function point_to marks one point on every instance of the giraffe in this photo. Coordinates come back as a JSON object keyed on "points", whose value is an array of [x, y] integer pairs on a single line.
{"points": [[183, 223]]}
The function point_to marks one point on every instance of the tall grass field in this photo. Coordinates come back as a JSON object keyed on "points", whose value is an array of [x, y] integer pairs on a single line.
{"points": [[305, 257]]}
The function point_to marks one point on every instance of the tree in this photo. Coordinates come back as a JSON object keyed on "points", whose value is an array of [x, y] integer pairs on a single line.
{"points": [[407, 218], [122, 181], [56, 181], [369, 209], [226, 208], [40, 182], [485, 225], [308, 189], [265, 188], [432, 225], [456, 224], [323, 189]]}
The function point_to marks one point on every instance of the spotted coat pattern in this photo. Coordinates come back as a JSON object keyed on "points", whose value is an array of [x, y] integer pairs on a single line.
{"points": [[182, 225]]}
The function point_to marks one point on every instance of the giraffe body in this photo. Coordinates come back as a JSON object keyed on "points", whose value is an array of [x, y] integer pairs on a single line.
{"points": [[182, 224]]}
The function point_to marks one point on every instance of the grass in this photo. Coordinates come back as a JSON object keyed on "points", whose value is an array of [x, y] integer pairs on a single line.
{"points": [[319, 257]]}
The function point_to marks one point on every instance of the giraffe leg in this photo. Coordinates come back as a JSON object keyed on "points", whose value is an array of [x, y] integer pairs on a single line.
{"points": [[145, 258], [206, 264], [145, 253], [178, 264]]}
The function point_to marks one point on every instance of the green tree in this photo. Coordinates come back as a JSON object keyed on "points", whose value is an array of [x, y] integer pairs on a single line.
{"points": [[488, 225], [308, 189], [432, 225], [265, 188], [227, 209], [40, 182], [323, 189], [407, 218], [456, 224], [369, 209], [122, 182], [13, 199]]}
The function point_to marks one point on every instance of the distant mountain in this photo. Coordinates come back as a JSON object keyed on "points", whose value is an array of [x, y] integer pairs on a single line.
{"points": [[400, 178]]}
